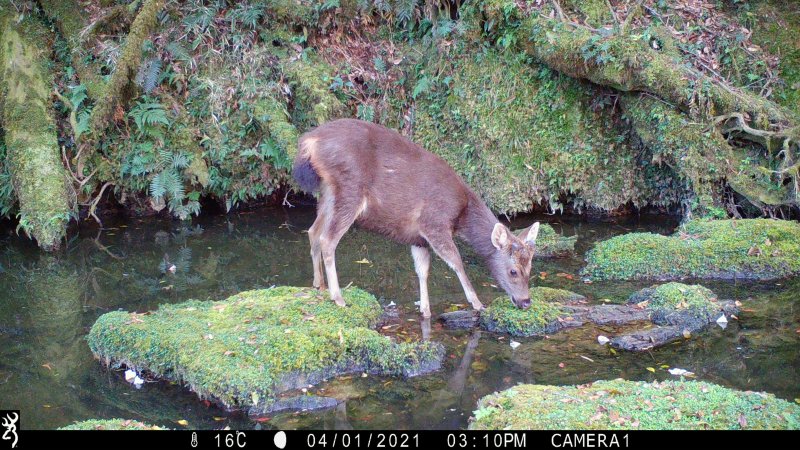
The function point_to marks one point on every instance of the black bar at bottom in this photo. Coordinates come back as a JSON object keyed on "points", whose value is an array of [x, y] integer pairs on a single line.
{"points": [[271, 439]]}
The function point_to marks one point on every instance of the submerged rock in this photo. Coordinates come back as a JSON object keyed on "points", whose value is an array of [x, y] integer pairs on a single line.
{"points": [[243, 351], [621, 404], [302, 403], [758, 249], [674, 308], [110, 424]]}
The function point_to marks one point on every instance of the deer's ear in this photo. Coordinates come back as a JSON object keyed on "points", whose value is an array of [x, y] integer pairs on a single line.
{"points": [[529, 235], [500, 236]]}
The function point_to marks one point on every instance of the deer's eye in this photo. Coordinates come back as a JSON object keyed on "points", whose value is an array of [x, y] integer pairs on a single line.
{"points": [[513, 273]]}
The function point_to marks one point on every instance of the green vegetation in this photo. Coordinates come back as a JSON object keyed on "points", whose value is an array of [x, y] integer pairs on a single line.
{"points": [[244, 350], [504, 317], [746, 249], [570, 106], [110, 424], [621, 404]]}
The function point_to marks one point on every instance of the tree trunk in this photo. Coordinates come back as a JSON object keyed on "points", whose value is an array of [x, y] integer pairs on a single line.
{"points": [[33, 157]]}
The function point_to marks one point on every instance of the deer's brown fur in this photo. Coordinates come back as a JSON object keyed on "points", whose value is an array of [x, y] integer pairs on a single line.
{"points": [[372, 176]]}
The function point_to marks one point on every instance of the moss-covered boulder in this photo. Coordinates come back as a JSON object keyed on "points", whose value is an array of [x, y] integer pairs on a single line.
{"points": [[243, 351], [540, 318], [621, 404], [550, 244], [757, 249], [678, 310], [110, 424]]}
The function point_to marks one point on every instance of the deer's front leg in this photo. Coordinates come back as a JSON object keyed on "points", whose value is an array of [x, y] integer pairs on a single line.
{"points": [[444, 246], [329, 256], [422, 265]]}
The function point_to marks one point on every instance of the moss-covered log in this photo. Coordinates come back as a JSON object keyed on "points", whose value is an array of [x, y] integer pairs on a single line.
{"points": [[33, 157], [629, 62], [621, 404], [117, 92], [68, 16]]}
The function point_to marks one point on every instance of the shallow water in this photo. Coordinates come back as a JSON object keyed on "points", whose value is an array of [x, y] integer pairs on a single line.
{"points": [[48, 303]]}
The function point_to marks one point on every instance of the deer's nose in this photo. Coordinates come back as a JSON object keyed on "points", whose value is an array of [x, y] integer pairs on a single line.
{"points": [[525, 303]]}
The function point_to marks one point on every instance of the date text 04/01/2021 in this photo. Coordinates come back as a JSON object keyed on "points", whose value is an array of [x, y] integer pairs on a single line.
{"points": [[461, 440]]}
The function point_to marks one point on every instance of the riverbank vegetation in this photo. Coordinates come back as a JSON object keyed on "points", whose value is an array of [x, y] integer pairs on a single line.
{"points": [[173, 107]]}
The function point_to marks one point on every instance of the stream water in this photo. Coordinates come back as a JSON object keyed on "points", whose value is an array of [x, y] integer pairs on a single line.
{"points": [[48, 303]]}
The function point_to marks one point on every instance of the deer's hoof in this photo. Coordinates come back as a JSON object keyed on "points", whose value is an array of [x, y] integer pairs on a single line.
{"points": [[478, 306], [340, 302]]}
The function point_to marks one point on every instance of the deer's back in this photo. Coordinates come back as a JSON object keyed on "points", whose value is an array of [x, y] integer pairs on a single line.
{"points": [[395, 183]]}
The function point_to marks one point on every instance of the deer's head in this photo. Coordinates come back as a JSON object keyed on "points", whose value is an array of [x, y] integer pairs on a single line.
{"points": [[511, 263]]}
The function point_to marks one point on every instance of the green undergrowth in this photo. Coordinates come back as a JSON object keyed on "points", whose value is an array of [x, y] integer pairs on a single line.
{"points": [[244, 350], [747, 249], [504, 317], [621, 404], [110, 424]]}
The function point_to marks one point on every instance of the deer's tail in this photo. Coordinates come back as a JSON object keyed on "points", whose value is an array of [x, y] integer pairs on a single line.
{"points": [[302, 170]]}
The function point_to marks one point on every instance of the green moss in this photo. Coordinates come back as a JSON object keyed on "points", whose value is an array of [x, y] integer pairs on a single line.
{"points": [[110, 424], [749, 249], [314, 103], [549, 243], [671, 297], [504, 317], [244, 350], [521, 134], [33, 155], [621, 404]]}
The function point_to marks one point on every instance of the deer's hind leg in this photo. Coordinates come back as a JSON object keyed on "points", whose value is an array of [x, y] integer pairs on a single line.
{"points": [[316, 251], [342, 214]]}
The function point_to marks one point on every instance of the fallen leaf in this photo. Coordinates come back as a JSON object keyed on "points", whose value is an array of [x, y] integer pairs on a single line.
{"points": [[651, 369], [742, 421], [183, 422], [363, 261], [602, 340], [47, 366], [561, 365]]}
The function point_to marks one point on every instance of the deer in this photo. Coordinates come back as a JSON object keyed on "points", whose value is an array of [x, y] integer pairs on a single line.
{"points": [[372, 176]]}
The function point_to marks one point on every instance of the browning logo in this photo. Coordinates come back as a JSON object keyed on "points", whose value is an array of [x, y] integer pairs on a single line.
{"points": [[9, 419]]}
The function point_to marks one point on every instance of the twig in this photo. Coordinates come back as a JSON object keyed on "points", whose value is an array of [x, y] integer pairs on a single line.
{"points": [[96, 201]]}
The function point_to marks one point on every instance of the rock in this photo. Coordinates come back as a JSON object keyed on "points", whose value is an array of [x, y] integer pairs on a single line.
{"points": [[550, 244], [301, 403], [617, 314], [244, 351], [676, 309], [620, 404], [701, 249], [462, 319]]}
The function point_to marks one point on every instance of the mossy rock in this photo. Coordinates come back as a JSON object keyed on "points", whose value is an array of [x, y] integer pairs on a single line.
{"points": [[110, 424], [677, 309], [621, 404], [758, 249], [550, 244], [665, 300], [242, 351], [540, 318]]}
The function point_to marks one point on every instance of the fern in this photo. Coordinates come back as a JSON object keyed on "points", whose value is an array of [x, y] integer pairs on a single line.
{"points": [[178, 51], [148, 116], [149, 73]]}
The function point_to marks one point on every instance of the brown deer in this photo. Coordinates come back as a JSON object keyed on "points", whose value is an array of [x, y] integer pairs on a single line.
{"points": [[372, 176]]}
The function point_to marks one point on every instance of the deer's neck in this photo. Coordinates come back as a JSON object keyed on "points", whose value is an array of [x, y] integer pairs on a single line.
{"points": [[477, 225]]}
